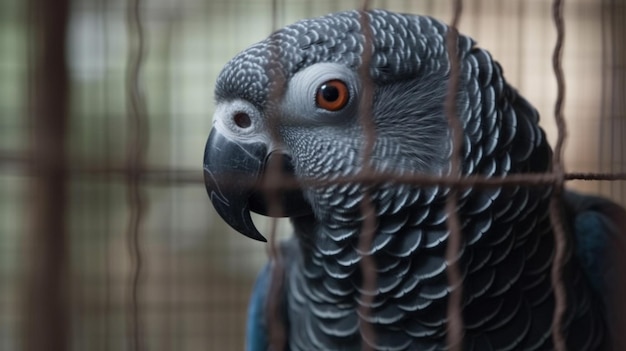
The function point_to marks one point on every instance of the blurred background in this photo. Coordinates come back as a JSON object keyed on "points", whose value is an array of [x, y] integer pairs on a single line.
{"points": [[120, 249]]}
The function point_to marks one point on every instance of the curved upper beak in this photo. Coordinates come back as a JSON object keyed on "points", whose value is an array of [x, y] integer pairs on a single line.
{"points": [[233, 173]]}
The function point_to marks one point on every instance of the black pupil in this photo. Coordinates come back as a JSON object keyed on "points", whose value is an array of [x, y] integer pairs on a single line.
{"points": [[242, 120], [330, 92]]}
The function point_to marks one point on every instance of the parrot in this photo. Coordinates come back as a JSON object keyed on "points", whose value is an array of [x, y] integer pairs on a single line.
{"points": [[291, 104]]}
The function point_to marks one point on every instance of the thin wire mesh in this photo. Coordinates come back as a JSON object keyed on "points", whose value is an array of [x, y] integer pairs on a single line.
{"points": [[140, 177]]}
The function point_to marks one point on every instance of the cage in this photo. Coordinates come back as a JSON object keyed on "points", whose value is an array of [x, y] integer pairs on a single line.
{"points": [[107, 238]]}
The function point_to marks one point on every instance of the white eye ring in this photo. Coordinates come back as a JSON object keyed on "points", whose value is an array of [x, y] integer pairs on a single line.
{"points": [[300, 103], [240, 120]]}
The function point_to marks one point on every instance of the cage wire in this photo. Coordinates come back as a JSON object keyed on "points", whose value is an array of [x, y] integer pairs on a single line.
{"points": [[108, 241]]}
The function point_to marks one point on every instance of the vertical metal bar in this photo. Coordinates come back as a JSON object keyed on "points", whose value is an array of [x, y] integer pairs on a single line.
{"points": [[615, 69], [106, 309], [366, 236], [619, 119], [605, 21], [46, 306], [521, 42], [174, 278], [271, 185], [618, 249], [558, 170], [137, 142], [454, 336]]}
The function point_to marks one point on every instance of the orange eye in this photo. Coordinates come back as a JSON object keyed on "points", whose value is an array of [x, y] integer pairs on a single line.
{"points": [[332, 95]]}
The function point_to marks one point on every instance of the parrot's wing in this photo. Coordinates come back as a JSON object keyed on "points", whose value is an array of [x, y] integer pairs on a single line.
{"points": [[599, 232], [599, 228], [256, 328], [268, 305]]}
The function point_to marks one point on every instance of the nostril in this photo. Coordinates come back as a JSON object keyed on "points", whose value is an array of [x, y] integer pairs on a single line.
{"points": [[242, 120]]}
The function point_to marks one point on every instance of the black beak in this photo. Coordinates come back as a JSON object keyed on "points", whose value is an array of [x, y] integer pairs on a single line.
{"points": [[233, 174]]}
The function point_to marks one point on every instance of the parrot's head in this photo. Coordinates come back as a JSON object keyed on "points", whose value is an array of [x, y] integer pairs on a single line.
{"points": [[294, 100]]}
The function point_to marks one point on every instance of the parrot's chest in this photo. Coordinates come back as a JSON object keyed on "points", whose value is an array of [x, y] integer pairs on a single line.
{"points": [[505, 268]]}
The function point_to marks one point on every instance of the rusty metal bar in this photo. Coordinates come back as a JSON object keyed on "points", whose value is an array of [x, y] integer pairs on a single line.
{"points": [[271, 186], [555, 206], [107, 259], [368, 227], [454, 335], [136, 149], [174, 176], [614, 12], [47, 311]]}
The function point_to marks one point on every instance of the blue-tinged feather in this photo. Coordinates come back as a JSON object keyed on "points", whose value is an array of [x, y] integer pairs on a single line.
{"points": [[596, 233], [599, 228], [256, 328]]}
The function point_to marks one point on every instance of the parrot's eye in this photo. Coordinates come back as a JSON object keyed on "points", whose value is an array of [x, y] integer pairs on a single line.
{"points": [[332, 95], [242, 120]]}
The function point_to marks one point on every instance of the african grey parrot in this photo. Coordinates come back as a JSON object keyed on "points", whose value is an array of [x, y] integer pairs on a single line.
{"points": [[295, 97]]}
